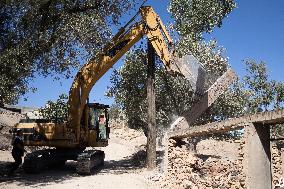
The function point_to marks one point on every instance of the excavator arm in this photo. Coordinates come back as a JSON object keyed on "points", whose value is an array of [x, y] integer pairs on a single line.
{"points": [[151, 26], [71, 139]]}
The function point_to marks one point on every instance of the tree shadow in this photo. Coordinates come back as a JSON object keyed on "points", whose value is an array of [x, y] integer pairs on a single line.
{"points": [[46, 177], [132, 163], [120, 167]]}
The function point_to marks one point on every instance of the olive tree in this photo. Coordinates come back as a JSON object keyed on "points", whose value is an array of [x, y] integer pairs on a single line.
{"points": [[50, 38]]}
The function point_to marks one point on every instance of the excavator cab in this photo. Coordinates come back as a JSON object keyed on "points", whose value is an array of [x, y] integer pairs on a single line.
{"points": [[96, 121]]}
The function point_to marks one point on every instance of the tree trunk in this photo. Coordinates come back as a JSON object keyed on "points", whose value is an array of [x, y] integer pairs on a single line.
{"points": [[151, 138]]}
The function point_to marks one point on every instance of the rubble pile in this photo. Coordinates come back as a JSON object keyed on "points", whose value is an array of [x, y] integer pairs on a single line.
{"points": [[9, 118], [188, 170], [117, 123], [120, 129], [126, 133]]}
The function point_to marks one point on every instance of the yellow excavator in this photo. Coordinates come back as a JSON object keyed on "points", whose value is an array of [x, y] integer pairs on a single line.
{"points": [[87, 124]]}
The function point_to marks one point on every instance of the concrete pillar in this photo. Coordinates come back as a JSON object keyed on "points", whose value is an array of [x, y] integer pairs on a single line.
{"points": [[257, 158]]}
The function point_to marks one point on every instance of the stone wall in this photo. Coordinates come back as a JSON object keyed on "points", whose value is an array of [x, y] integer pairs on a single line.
{"points": [[277, 154], [239, 164]]}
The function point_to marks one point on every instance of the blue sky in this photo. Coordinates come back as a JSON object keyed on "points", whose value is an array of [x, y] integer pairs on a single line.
{"points": [[254, 30]]}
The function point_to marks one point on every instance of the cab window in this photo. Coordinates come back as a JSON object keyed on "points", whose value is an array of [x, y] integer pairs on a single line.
{"points": [[93, 118]]}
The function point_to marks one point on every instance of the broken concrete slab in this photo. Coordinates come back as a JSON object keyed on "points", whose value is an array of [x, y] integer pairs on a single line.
{"points": [[205, 101]]}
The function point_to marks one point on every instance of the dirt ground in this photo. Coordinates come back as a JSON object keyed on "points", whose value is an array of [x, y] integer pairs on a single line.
{"points": [[121, 170], [123, 167], [124, 163]]}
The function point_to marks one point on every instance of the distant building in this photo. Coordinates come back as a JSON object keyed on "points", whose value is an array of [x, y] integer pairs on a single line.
{"points": [[19, 109], [29, 112]]}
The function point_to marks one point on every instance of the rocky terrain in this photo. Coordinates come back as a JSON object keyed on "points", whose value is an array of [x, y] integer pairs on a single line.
{"points": [[214, 164]]}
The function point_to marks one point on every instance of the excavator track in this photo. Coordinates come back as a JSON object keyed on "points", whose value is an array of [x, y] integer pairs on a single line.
{"points": [[42, 159], [36, 161], [88, 160]]}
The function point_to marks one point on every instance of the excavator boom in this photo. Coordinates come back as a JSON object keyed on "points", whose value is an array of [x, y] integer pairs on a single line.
{"points": [[151, 26]]}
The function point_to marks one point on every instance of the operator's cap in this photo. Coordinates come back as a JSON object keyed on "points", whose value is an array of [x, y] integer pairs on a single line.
{"points": [[19, 130]]}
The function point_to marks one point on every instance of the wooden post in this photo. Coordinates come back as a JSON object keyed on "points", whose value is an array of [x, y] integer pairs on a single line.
{"points": [[151, 138]]}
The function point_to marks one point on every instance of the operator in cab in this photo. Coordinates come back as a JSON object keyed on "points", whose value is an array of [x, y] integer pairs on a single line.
{"points": [[102, 127], [17, 151]]}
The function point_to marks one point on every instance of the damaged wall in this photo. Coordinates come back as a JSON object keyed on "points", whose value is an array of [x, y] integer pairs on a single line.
{"points": [[256, 162]]}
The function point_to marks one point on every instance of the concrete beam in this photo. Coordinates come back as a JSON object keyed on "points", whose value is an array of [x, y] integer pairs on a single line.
{"points": [[267, 118], [205, 101]]}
